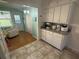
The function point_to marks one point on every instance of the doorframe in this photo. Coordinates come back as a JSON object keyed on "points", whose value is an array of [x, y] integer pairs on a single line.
{"points": [[37, 36]]}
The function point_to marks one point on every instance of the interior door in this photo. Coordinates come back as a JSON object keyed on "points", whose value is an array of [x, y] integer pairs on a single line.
{"points": [[4, 53], [28, 23]]}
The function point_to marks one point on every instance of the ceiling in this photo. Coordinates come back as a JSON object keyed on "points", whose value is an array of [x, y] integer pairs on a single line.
{"points": [[16, 6], [33, 3]]}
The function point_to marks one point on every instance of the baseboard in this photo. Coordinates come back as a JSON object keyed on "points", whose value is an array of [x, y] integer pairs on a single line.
{"points": [[72, 50]]}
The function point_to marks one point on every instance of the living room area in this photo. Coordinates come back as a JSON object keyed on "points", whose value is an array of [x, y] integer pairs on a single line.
{"points": [[18, 24]]}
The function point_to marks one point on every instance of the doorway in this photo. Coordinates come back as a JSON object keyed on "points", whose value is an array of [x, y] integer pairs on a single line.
{"points": [[31, 21]]}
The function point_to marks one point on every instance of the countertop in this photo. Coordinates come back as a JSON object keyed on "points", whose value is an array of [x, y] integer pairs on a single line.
{"points": [[59, 32]]}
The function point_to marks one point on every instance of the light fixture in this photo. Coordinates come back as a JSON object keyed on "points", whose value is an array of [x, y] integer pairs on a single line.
{"points": [[25, 6], [26, 11]]}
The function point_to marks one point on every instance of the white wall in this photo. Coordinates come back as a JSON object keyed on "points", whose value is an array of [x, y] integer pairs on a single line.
{"points": [[73, 42]]}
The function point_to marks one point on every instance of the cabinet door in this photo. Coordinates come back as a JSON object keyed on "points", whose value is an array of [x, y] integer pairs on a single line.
{"points": [[43, 34], [64, 1], [48, 36], [51, 38], [45, 14], [58, 40], [56, 14], [51, 14], [64, 13]]}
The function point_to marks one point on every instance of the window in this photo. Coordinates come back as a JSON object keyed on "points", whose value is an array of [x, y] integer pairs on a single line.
{"points": [[17, 19], [5, 19]]}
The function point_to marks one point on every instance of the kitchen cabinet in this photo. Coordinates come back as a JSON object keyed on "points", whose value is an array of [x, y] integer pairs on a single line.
{"points": [[48, 36], [55, 39], [64, 1], [43, 34], [46, 15], [64, 13], [62, 10], [51, 14], [57, 14], [58, 40]]}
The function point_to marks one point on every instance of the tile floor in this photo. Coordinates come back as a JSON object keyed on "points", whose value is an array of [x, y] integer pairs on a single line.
{"points": [[41, 50]]}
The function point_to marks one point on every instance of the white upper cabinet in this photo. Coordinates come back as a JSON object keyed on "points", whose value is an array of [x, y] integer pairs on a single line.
{"points": [[48, 14], [51, 14], [63, 1], [64, 13], [45, 14], [56, 14]]}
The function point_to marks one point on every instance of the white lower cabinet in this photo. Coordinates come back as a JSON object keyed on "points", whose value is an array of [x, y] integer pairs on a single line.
{"points": [[48, 36], [58, 40], [55, 39], [43, 34]]}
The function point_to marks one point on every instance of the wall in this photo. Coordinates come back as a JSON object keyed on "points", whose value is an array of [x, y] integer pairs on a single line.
{"points": [[73, 42]]}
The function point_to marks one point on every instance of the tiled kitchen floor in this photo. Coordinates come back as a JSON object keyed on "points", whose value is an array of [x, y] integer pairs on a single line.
{"points": [[41, 50]]}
